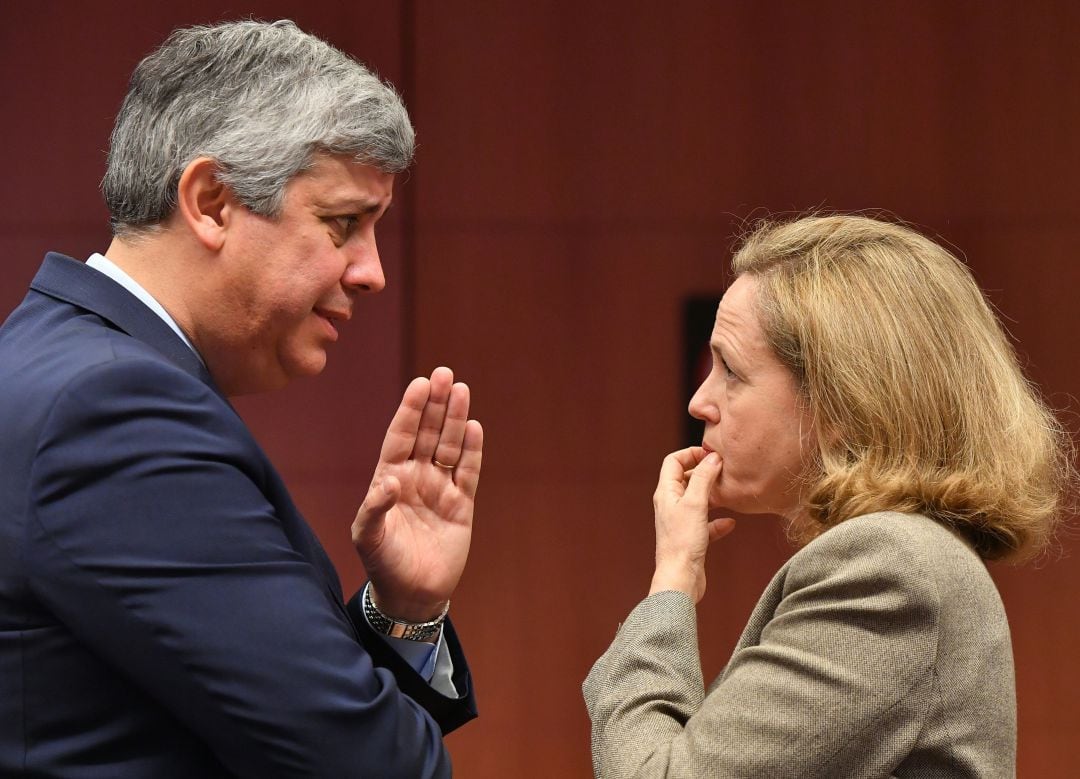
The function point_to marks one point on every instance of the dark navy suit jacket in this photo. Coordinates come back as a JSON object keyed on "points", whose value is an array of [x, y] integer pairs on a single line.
{"points": [[165, 611]]}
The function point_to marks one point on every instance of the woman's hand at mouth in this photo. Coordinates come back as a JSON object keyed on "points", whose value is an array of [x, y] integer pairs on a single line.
{"points": [[685, 526]]}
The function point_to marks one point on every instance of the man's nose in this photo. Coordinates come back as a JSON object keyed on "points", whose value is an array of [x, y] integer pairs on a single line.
{"points": [[364, 273]]}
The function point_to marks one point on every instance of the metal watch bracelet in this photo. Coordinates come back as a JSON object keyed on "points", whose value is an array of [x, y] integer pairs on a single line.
{"points": [[388, 626]]}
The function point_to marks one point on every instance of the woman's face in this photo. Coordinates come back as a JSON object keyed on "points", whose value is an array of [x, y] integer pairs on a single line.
{"points": [[754, 415]]}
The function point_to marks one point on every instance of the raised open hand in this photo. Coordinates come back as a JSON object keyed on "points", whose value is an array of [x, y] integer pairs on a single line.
{"points": [[414, 527]]}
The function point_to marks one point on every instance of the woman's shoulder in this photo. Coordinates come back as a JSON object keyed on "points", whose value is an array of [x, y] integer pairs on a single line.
{"points": [[911, 550], [891, 532]]}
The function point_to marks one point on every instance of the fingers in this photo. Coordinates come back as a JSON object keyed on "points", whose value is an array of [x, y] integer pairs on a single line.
{"points": [[401, 434], [702, 479], [675, 469], [432, 423], [452, 435], [718, 528], [433, 415], [467, 473], [441, 436]]}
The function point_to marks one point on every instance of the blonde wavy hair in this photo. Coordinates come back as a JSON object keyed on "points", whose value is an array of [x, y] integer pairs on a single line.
{"points": [[918, 401]]}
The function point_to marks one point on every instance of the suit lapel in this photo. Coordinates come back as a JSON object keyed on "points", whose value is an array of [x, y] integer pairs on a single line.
{"points": [[74, 282]]}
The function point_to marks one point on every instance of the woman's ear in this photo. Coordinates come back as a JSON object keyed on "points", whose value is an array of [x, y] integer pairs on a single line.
{"points": [[204, 203]]}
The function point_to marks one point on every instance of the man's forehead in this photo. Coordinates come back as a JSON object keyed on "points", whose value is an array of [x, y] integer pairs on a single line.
{"points": [[335, 180]]}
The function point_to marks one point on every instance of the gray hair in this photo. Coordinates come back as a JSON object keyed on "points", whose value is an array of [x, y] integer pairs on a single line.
{"points": [[260, 99]]}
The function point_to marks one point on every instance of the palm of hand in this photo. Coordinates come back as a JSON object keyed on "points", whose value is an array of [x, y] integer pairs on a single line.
{"points": [[426, 533], [414, 527]]}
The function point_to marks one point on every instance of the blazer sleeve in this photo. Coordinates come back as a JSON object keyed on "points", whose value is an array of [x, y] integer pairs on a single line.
{"points": [[150, 538], [837, 684], [450, 713]]}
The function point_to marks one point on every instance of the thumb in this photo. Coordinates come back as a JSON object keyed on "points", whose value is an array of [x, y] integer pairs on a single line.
{"points": [[380, 498]]}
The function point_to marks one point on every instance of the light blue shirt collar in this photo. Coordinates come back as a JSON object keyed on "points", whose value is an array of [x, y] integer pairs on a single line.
{"points": [[100, 262]]}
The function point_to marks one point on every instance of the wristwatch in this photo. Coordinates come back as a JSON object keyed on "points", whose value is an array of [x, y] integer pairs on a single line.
{"points": [[395, 628]]}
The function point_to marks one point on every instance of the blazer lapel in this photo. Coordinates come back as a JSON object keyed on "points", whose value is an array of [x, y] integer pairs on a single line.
{"points": [[75, 283]]}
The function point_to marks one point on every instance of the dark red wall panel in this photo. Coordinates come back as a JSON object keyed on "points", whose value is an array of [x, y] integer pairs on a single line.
{"points": [[584, 168]]}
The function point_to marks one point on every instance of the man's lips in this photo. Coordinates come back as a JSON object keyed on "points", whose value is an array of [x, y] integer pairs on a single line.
{"points": [[330, 317]]}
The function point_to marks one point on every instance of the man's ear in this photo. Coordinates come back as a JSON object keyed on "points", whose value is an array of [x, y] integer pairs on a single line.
{"points": [[205, 204]]}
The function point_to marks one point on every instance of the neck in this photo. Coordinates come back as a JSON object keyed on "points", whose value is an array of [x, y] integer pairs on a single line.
{"points": [[156, 263]]}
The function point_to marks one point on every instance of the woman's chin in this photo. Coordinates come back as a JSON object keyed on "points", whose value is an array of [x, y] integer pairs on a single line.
{"points": [[718, 507], [717, 498]]}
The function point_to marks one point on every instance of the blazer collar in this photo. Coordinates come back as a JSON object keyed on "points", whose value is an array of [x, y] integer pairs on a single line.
{"points": [[73, 282]]}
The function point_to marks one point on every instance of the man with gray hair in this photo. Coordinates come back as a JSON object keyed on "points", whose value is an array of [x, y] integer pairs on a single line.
{"points": [[164, 609]]}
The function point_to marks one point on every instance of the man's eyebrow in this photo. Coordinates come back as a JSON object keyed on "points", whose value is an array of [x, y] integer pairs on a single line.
{"points": [[355, 206]]}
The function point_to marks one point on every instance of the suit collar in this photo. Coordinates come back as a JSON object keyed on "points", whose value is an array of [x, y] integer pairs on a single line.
{"points": [[73, 282]]}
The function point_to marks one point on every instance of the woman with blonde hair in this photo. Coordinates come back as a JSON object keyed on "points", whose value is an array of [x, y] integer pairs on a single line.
{"points": [[863, 390]]}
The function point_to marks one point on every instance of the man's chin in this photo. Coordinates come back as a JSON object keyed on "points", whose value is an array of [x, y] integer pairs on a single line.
{"points": [[311, 364]]}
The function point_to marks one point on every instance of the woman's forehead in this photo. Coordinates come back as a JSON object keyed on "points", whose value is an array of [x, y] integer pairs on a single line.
{"points": [[737, 312]]}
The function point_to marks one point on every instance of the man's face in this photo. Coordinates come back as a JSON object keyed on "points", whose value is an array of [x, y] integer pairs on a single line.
{"points": [[289, 282]]}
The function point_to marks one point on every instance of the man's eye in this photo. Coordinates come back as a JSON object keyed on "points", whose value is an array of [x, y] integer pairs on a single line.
{"points": [[344, 225]]}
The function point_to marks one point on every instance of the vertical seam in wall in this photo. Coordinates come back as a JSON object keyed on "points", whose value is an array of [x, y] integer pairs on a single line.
{"points": [[408, 199]]}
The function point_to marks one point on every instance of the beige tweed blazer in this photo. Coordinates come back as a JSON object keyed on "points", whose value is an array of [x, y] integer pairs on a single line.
{"points": [[880, 649]]}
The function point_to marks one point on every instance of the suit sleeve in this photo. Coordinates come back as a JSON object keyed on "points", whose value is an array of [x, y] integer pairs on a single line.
{"points": [[450, 713], [839, 681], [152, 541]]}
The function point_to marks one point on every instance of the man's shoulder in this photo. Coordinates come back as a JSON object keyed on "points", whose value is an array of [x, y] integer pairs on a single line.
{"points": [[46, 344], [65, 368]]}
